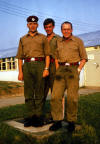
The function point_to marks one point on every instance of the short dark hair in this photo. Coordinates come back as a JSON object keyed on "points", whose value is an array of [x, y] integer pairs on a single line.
{"points": [[67, 22], [48, 21]]}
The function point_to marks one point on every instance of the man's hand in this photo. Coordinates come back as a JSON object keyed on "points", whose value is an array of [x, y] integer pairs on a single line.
{"points": [[45, 73], [20, 76], [82, 63], [79, 70]]}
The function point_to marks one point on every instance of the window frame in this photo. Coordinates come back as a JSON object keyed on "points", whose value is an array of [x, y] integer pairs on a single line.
{"points": [[8, 64]]}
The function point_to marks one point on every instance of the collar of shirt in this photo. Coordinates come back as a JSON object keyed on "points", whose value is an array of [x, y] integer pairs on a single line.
{"points": [[30, 35], [71, 38], [54, 36]]}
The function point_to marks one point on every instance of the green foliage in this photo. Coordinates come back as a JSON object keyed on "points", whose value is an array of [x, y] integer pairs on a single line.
{"points": [[8, 86], [17, 86]]}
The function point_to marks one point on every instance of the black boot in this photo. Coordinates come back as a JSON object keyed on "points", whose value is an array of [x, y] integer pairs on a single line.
{"points": [[28, 122], [48, 120], [37, 121], [56, 125], [71, 126]]}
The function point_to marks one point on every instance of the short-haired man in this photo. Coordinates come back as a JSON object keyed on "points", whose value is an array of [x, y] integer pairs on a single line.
{"points": [[70, 51], [34, 50], [49, 25]]}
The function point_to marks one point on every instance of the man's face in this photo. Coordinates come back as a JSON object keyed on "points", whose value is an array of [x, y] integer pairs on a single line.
{"points": [[32, 26], [49, 28], [66, 30]]}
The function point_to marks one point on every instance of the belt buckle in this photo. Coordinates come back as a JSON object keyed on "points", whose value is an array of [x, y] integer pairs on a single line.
{"points": [[32, 59], [67, 64]]}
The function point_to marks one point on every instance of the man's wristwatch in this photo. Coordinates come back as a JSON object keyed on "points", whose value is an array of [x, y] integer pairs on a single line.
{"points": [[46, 68]]}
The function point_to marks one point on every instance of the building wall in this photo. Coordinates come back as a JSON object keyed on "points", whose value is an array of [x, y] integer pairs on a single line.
{"points": [[9, 69], [92, 68], [90, 74], [9, 76]]}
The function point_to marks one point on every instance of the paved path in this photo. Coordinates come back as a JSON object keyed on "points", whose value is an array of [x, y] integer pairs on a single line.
{"points": [[20, 99], [11, 101]]}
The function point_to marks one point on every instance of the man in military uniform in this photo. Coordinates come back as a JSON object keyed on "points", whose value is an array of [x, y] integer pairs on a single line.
{"points": [[34, 50], [49, 25], [70, 51]]}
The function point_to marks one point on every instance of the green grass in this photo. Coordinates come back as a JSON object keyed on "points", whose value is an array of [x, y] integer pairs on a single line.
{"points": [[88, 118], [7, 87], [5, 84]]}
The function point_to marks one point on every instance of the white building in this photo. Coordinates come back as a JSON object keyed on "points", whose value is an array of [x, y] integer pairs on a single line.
{"points": [[91, 73], [8, 65]]}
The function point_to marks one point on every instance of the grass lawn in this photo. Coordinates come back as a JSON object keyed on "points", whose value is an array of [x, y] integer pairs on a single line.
{"points": [[9, 88], [88, 118]]}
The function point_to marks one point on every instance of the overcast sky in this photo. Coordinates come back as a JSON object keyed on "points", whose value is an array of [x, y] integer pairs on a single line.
{"points": [[84, 15]]}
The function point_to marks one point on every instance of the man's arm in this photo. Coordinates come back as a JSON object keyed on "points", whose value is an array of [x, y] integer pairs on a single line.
{"points": [[46, 69], [20, 75]]}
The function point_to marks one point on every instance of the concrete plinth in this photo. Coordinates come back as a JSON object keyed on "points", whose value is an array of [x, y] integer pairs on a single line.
{"points": [[42, 134]]}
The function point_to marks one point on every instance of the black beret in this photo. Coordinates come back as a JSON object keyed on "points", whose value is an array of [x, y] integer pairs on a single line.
{"points": [[32, 19]]}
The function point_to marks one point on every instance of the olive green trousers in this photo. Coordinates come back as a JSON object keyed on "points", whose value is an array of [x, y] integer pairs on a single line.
{"points": [[34, 85], [67, 77], [50, 79]]}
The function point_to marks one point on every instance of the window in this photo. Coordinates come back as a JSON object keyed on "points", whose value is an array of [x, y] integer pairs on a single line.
{"points": [[7, 64]]}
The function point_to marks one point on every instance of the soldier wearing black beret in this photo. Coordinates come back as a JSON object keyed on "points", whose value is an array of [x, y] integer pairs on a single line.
{"points": [[32, 19], [34, 51]]}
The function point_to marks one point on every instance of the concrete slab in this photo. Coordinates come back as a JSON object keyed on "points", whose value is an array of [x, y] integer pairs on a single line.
{"points": [[37, 132], [19, 124], [30, 129], [42, 134]]}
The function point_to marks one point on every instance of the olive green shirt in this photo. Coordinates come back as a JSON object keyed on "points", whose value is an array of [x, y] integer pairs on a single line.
{"points": [[70, 51], [33, 46], [53, 45]]}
